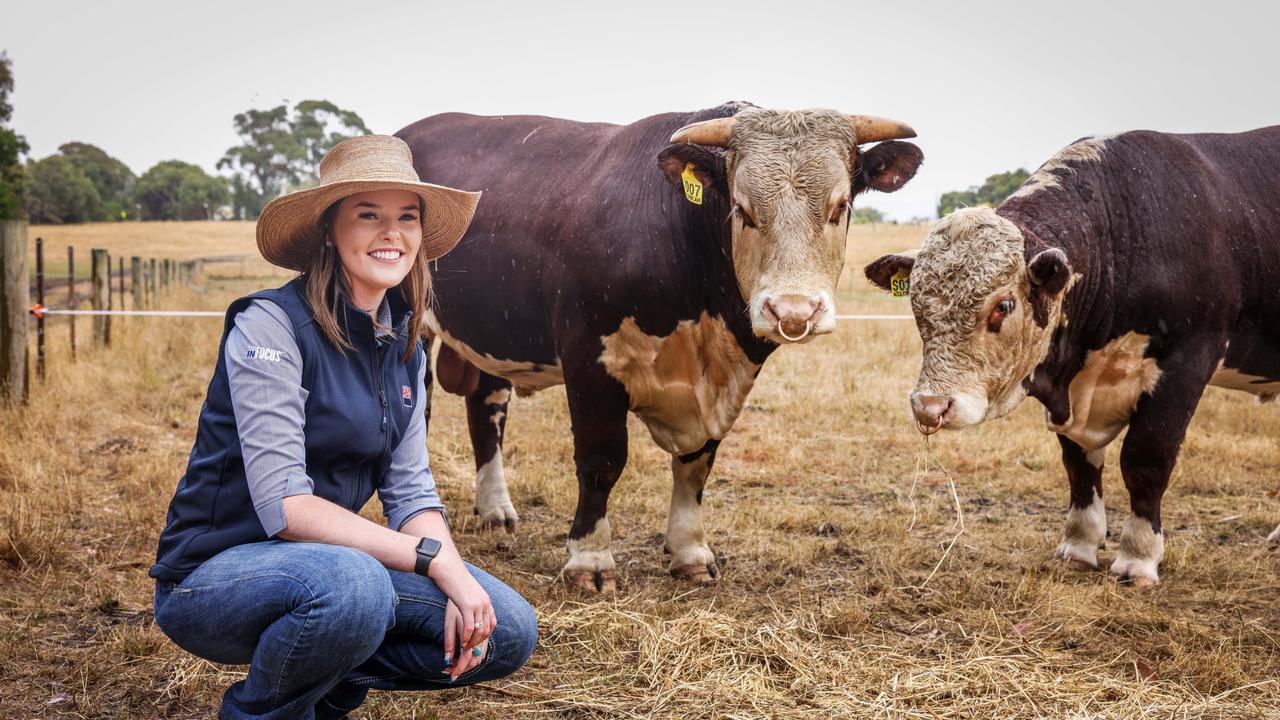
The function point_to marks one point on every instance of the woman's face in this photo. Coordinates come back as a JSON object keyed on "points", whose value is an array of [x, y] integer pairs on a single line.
{"points": [[377, 235]]}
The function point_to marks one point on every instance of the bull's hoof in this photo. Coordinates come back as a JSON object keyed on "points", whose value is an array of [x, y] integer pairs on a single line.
{"points": [[1077, 557], [1139, 582], [1134, 575], [499, 517], [596, 581], [1075, 564], [697, 574]]}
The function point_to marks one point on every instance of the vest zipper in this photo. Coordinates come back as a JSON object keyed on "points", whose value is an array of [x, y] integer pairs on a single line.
{"points": [[382, 394]]}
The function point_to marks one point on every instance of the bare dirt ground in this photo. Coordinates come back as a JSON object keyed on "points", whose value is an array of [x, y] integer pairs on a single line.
{"points": [[838, 595]]}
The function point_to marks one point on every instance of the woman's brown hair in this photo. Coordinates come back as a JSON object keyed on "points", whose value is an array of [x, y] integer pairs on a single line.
{"points": [[326, 286]]}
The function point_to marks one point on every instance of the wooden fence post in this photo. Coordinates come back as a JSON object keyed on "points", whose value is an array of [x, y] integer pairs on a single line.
{"points": [[15, 296], [40, 302], [155, 283], [121, 278], [100, 296], [71, 295], [135, 279]]}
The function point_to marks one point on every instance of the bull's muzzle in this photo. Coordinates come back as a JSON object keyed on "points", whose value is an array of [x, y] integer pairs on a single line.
{"points": [[932, 412], [793, 316]]}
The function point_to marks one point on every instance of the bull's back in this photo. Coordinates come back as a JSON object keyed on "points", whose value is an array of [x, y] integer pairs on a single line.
{"points": [[497, 289], [1207, 204]]}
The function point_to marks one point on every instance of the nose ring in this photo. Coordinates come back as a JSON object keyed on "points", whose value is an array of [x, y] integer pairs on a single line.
{"points": [[808, 327]]}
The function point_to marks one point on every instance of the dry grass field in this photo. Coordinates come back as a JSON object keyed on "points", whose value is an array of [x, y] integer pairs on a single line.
{"points": [[828, 606], [231, 241]]}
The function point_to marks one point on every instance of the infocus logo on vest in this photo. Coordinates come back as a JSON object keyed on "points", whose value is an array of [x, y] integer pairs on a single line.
{"points": [[261, 353]]}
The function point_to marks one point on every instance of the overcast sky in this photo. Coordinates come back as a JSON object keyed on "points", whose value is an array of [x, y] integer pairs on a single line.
{"points": [[989, 86]]}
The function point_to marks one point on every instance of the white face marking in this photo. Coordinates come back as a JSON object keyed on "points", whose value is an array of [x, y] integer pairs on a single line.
{"points": [[687, 387], [1085, 532], [1106, 390], [592, 552], [1086, 150], [789, 176], [972, 260], [493, 502], [1141, 550], [684, 523], [526, 377]]}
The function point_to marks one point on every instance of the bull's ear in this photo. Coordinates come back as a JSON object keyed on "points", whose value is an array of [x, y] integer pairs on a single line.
{"points": [[881, 272], [707, 166], [1049, 271], [887, 166]]}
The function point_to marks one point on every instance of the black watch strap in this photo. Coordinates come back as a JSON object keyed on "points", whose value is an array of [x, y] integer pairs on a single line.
{"points": [[428, 548]]}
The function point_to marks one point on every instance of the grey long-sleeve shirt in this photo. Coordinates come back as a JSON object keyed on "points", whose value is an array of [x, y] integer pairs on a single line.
{"points": [[269, 400]]}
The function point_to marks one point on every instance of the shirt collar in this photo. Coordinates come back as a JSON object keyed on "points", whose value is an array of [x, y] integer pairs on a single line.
{"points": [[394, 313], [383, 329]]}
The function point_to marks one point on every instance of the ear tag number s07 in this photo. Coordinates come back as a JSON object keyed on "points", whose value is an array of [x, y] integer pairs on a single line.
{"points": [[900, 283], [692, 186]]}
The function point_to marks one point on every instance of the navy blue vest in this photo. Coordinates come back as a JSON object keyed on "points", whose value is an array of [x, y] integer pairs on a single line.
{"points": [[352, 427]]}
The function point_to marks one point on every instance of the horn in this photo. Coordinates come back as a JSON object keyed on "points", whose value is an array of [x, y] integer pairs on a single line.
{"points": [[708, 132], [868, 128]]}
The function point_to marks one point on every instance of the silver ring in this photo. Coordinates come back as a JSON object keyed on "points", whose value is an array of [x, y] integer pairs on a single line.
{"points": [[808, 327]]}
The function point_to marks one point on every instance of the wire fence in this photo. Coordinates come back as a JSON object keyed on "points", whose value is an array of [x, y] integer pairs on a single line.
{"points": [[110, 293], [110, 290]]}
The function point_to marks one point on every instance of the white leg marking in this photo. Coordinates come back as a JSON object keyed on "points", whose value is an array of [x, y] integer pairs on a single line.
{"points": [[1274, 537], [591, 553], [1097, 457], [498, 397], [1141, 550], [493, 502], [685, 540], [1085, 532]]}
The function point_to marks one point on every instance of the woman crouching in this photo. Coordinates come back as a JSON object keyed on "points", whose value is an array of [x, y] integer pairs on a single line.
{"points": [[317, 401]]}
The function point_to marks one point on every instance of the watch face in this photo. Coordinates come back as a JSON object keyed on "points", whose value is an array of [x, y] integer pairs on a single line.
{"points": [[429, 547]]}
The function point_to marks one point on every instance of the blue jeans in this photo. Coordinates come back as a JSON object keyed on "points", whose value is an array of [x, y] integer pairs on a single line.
{"points": [[321, 624]]}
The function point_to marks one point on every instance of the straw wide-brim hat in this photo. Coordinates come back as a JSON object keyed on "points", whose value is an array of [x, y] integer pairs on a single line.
{"points": [[289, 228]]}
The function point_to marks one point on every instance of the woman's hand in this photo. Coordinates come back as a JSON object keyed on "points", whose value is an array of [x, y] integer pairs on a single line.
{"points": [[469, 618], [465, 660]]}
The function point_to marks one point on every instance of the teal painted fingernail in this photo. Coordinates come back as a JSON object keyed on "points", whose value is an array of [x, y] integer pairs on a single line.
{"points": [[475, 651]]}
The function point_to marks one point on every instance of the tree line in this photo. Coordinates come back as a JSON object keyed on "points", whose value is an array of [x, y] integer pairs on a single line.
{"points": [[990, 193], [279, 151]]}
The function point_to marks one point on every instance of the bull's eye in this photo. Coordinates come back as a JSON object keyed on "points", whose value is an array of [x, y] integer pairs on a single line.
{"points": [[1002, 310], [837, 213], [741, 213]]}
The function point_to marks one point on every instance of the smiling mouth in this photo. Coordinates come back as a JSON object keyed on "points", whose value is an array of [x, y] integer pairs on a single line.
{"points": [[387, 256]]}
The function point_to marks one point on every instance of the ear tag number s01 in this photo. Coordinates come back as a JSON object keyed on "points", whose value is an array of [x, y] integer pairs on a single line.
{"points": [[692, 186], [900, 283]]}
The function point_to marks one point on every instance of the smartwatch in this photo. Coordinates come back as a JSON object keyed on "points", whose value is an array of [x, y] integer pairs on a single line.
{"points": [[428, 548]]}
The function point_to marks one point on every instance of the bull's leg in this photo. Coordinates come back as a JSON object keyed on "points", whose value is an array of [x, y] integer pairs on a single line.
{"points": [[1274, 537], [598, 411], [487, 421], [691, 559], [1156, 430], [1086, 528]]}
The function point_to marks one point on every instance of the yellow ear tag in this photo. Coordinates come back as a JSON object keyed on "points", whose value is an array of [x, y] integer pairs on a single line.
{"points": [[900, 283], [692, 186]]}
